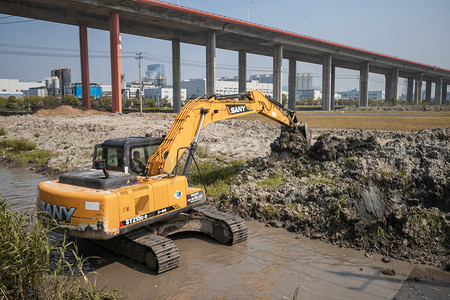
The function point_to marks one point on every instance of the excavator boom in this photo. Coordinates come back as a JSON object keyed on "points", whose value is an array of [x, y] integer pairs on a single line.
{"points": [[200, 112]]}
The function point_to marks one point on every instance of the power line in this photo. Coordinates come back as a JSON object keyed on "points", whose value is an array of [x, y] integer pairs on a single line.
{"points": [[13, 22]]}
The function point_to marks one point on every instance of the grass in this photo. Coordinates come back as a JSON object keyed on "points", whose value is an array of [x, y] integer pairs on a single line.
{"points": [[2, 131], [34, 266], [430, 222], [272, 182], [217, 178], [406, 122], [376, 233], [23, 152]]}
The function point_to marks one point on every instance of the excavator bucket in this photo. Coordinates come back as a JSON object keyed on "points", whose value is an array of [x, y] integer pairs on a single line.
{"points": [[304, 130]]}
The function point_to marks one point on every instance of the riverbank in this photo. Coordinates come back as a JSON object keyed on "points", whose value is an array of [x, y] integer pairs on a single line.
{"points": [[382, 191]]}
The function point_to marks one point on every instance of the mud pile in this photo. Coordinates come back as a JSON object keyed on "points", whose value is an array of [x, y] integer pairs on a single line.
{"points": [[401, 108], [66, 110], [385, 192]]}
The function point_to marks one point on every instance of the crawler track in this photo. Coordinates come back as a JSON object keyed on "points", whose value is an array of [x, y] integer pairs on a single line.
{"points": [[239, 230], [164, 254]]}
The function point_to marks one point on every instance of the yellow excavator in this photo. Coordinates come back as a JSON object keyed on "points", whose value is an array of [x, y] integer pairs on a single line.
{"points": [[131, 207]]}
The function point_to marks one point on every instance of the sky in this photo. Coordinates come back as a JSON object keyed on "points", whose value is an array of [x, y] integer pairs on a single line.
{"points": [[417, 30]]}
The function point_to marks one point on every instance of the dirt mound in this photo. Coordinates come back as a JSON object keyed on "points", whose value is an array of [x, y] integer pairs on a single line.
{"points": [[390, 197], [436, 108], [290, 141], [66, 110]]}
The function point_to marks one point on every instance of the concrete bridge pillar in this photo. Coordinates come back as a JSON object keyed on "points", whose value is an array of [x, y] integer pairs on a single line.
{"points": [[387, 87], [326, 82], [444, 94], [291, 82], [394, 83], [211, 62], [418, 88], [428, 91], [176, 75], [438, 92], [242, 66], [333, 86], [364, 85], [84, 59], [277, 72], [410, 90], [114, 38]]}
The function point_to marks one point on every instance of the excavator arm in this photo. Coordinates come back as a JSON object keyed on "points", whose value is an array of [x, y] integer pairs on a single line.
{"points": [[198, 113]]}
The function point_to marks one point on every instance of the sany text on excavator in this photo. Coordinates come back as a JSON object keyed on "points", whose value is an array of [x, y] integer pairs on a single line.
{"points": [[132, 207]]}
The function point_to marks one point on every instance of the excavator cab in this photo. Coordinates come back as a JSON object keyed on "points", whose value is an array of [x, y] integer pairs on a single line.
{"points": [[128, 155]]}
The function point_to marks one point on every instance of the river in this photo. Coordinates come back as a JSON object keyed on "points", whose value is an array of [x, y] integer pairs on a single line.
{"points": [[271, 264]]}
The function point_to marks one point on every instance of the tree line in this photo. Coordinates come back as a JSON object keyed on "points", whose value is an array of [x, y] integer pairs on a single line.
{"points": [[34, 102]]}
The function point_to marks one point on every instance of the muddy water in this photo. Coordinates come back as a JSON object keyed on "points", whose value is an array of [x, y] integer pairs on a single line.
{"points": [[270, 265], [19, 188]]}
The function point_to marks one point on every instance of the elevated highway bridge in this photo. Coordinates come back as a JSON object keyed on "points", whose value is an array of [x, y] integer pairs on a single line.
{"points": [[179, 24]]}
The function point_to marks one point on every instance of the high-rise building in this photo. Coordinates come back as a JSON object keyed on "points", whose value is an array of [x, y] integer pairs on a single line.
{"points": [[304, 81], [156, 75]]}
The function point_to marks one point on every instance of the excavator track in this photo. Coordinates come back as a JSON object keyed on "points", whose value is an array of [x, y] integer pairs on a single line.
{"points": [[239, 230], [164, 253]]}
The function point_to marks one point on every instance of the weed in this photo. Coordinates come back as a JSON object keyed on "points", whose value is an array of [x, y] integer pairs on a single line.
{"points": [[272, 182], [32, 265], [217, 179], [20, 144], [322, 180], [351, 161], [2, 131], [337, 205], [272, 210], [36, 135], [202, 151], [376, 232], [428, 221], [23, 152]]}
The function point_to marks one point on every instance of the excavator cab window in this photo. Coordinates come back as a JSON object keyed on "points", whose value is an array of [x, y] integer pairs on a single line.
{"points": [[113, 157], [139, 157]]}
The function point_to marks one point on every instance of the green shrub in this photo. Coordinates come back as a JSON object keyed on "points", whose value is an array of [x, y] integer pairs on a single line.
{"points": [[71, 100], [2, 131], [105, 102], [20, 144], [51, 100]]}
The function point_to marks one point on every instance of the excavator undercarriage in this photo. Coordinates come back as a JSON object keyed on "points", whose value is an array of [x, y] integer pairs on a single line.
{"points": [[151, 245]]}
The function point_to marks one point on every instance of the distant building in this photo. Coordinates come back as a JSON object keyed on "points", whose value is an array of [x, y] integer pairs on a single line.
{"points": [[17, 88], [156, 75], [94, 89], [106, 89], [304, 81], [224, 86], [265, 78], [308, 94], [158, 93], [354, 94], [59, 84]]}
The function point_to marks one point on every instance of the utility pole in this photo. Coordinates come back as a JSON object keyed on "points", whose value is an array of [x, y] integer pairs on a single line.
{"points": [[139, 57]]}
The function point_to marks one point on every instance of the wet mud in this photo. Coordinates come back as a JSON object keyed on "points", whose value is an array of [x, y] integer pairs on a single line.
{"points": [[383, 192]]}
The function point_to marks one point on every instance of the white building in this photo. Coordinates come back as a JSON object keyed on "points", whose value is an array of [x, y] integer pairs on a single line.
{"points": [[308, 94], [354, 94], [224, 86], [159, 93], [15, 87]]}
